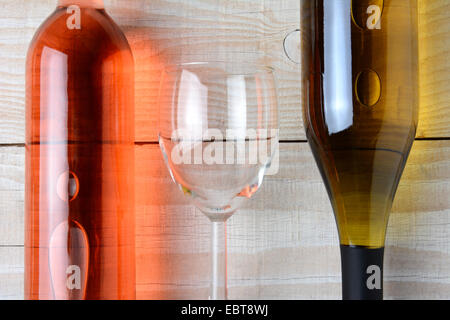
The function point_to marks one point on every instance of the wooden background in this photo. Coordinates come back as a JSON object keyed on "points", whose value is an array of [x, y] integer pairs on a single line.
{"points": [[283, 244]]}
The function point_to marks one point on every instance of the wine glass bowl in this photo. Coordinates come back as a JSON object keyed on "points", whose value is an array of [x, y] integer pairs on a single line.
{"points": [[218, 132]]}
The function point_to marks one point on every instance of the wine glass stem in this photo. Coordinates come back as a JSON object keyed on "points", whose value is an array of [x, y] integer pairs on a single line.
{"points": [[219, 261]]}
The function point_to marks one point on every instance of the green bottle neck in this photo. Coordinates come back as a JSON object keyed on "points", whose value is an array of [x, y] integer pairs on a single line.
{"points": [[98, 4]]}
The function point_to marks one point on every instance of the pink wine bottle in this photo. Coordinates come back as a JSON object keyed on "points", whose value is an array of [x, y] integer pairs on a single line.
{"points": [[79, 203]]}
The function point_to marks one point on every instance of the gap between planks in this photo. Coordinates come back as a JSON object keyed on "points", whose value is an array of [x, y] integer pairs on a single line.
{"points": [[143, 143]]}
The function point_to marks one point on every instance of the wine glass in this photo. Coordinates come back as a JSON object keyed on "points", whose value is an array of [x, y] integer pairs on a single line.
{"points": [[218, 135], [360, 81]]}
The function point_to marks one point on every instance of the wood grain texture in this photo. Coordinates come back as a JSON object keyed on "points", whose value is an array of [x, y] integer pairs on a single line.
{"points": [[12, 179], [11, 273], [169, 31], [434, 52], [283, 243]]}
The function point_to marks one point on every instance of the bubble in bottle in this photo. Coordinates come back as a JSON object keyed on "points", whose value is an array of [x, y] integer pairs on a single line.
{"points": [[368, 88]]}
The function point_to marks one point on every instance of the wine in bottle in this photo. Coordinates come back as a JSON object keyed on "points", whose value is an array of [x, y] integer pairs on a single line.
{"points": [[360, 80], [79, 202]]}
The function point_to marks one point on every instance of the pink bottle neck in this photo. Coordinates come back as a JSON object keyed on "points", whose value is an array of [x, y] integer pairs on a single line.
{"points": [[98, 4]]}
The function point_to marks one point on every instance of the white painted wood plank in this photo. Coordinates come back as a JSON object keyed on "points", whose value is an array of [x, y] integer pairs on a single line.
{"points": [[283, 242]]}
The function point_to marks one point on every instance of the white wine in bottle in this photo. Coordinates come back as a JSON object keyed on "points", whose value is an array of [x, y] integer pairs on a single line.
{"points": [[360, 80]]}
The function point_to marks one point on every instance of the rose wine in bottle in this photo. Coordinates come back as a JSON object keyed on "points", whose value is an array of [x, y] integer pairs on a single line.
{"points": [[79, 202]]}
